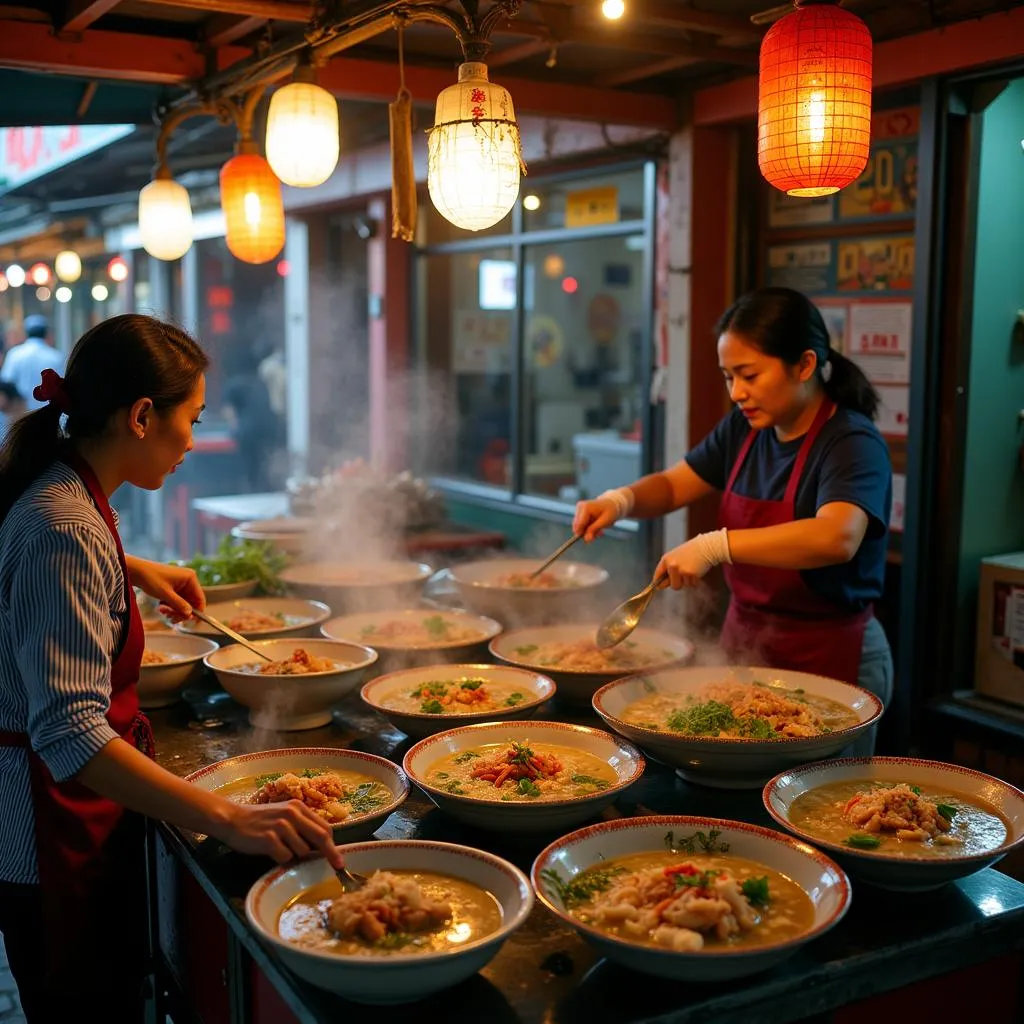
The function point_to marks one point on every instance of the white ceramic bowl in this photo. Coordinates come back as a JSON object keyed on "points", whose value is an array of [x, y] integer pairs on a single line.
{"points": [[348, 587], [521, 817], [877, 867], [160, 685], [220, 592], [302, 618], [536, 689], [820, 878], [398, 978], [728, 763], [397, 654], [290, 702], [480, 590], [291, 535], [295, 759], [577, 687]]}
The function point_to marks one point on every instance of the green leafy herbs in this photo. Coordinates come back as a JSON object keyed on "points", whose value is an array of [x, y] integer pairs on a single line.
{"points": [[368, 630], [589, 780], [262, 780], [916, 790], [948, 811], [395, 940], [455, 788], [305, 773], [526, 649], [432, 707], [520, 754], [471, 684], [436, 626], [712, 717], [238, 562], [367, 796], [694, 879], [528, 788], [513, 699], [756, 891], [466, 756], [699, 842], [863, 841], [580, 889]]}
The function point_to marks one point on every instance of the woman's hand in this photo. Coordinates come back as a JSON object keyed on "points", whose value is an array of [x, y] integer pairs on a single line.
{"points": [[174, 586], [282, 831], [689, 563], [594, 517]]}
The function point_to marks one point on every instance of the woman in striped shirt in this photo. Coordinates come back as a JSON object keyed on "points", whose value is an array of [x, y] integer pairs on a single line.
{"points": [[76, 768]]}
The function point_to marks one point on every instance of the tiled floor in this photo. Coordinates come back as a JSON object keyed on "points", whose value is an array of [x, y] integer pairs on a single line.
{"points": [[10, 1008]]}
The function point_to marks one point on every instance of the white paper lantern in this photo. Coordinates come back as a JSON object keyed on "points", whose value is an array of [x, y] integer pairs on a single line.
{"points": [[68, 266], [165, 219], [474, 160], [303, 139]]}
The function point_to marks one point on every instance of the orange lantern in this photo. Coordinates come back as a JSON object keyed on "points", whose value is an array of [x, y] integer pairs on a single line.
{"points": [[814, 100], [250, 195]]}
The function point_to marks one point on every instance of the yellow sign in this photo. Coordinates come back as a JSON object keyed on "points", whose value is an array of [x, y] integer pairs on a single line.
{"points": [[590, 206]]}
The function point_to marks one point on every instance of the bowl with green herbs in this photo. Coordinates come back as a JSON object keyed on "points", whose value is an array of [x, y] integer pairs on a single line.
{"points": [[733, 728], [900, 822], [431, 698], [238, 569]]}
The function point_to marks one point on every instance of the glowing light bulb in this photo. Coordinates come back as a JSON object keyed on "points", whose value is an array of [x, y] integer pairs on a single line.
{"points": [[613, 9], [531, 202], [63, 294], [100, 292], [15, 275]]}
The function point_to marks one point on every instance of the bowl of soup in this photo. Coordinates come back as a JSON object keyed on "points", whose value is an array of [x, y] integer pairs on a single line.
{"points": [[503, 589], [571, 657], [431, 915], [406, 637], [261, 618], [734, 728], [426, 700], [899, 822], [298, 686], [357, 586], [355, 793], [169, 661], [689, 898], [529, 777], [291, 535]]}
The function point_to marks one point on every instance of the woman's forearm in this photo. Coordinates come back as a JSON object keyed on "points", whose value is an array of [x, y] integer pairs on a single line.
{"points": [[652, 497], [802, 544]]}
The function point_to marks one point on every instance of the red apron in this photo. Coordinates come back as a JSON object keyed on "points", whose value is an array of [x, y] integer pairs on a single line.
{"points": [[774, 618], [90, 850]]}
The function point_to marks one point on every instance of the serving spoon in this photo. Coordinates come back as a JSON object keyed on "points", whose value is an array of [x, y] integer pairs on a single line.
{"points": [[351, 881], [558, 554], [627, 616], [229, 632]]}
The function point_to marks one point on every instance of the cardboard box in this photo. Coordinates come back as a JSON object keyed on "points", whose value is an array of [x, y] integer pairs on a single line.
{"points": [[999, 650]]}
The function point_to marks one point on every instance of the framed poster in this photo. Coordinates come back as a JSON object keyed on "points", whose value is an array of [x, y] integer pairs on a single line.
{"points": [[795, 211], [882, 264], [894, 412], [880, 340], [887, 188], [807, 267], [481, 342]]}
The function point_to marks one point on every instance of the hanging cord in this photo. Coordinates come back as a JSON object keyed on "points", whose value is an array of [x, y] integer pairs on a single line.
{"points": [[403, 173]]}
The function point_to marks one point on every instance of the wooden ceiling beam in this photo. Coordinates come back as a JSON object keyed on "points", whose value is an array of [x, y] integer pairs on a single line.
{"points": [[222, 29], [671, 14], [521, 51], [646, 70], [269, 10], [80, 14]]}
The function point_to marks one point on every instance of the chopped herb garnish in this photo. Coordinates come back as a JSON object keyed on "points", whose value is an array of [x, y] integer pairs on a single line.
{"points": [[527, 649], [589, 780], [756, 890], [455, 787], [309, 773], [394, 940], [520, 754], [699, 842], [431, 707], [513, 699], [436, 626], [471, 684], [262, 780], [756, 729], [916, 790], [580, 889], [467, 756], [367, 796], [435, 688], [948, 811], [697, 880], [863, 841], [528, 788], [441, 775], [709, 718]]}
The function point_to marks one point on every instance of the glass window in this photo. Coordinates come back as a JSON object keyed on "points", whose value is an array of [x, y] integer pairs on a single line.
{"points": [[433, 229], [586, 314], [465, 344], [583, 202]]}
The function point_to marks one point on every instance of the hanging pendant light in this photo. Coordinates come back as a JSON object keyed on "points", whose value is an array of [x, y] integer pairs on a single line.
{"points": [[250, 195], [814, 100], [474, 159], [165, 217], [68, 266], [302, 141]]}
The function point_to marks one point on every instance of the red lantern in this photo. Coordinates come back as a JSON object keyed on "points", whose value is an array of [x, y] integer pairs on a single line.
{"points": [[814, 100], [250, 195]]}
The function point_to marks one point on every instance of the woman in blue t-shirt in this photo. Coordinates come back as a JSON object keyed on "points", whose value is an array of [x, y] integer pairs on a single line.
{"points": [[806, 486]]}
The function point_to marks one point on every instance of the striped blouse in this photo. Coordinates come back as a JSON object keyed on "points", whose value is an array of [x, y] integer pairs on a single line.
{"points": [[62, 613]]}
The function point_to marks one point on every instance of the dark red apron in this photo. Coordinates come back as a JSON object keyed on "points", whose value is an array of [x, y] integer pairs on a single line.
{"points": [[774, 618], [90, 850]]}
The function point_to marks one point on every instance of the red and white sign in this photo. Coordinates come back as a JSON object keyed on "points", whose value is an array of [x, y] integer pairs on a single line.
{"points": [[879, 340], [29, 153]]}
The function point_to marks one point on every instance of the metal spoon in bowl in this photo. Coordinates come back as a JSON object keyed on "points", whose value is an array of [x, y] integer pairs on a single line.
{"points": [[627, 616], [558, 554], [351, 881], [229, 632]]}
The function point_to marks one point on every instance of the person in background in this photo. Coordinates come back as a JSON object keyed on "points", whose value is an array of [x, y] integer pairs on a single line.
{"points": [[12, 406], [253, 423], [25, 362], [806, 485], [77, 768]]}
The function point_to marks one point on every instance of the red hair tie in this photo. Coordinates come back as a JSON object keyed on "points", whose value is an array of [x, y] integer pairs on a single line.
{"points": [[52, 391]]}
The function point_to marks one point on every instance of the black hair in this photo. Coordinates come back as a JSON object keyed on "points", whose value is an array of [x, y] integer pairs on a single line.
{"points": [[785, 324], [112, 366]]}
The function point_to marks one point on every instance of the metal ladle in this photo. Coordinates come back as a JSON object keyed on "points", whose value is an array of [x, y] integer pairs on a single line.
{"points": [[627, 616], [229, 632]]}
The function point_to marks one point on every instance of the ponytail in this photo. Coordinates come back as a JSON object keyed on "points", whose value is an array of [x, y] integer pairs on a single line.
{"points": [[32, 444], [848, 386]]}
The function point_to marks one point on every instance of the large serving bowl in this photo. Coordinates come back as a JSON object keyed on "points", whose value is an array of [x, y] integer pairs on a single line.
{"points": [[218, 593], [399, 977], [290, 702], [348, 587], [887, 870], [541, 816], [301, 618], [820, 878], [160, 685], [296, 759], [291, 535], [398, 653], [535, 690], [481, 589], [732, 763], [577, 686]]}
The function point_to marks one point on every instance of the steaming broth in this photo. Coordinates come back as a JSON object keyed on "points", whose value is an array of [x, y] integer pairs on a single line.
{"points": [[245, 621], [586, 656], [458, 696], [740, 903], [521, 772], [524, 580], [739, 711], [473, 913], [975, 827], [430, 631], [301, 663]]}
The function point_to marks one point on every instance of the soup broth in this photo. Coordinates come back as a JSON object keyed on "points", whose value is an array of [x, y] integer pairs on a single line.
{"points": [[430, 631], [946, 824], [586, 656], [465, 914], [457, 696]]}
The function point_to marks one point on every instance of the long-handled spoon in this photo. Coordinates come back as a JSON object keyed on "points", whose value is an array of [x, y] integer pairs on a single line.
{"points": [[558, 554], [229, 632], [627, 616]]}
